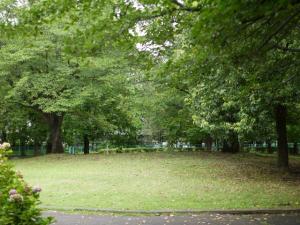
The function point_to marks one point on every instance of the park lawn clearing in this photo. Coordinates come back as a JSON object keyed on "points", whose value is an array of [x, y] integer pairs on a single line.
{"points": [[162, 180]]}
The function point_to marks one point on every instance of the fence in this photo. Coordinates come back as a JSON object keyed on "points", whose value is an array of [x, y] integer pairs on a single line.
{"points": [[28, 150], [110, 148]]}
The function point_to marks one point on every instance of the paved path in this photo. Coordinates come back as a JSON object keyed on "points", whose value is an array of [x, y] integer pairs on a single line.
{"points": [[203, 219]]}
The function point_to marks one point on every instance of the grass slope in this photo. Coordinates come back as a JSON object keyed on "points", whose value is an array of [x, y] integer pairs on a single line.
{"points": [[195, 180]]}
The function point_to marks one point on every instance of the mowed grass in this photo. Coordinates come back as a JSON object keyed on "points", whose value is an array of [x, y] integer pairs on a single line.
{"points": [[194, 180]]}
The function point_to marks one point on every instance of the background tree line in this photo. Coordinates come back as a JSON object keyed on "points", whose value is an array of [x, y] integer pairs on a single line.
{"points": [[180, 71]]}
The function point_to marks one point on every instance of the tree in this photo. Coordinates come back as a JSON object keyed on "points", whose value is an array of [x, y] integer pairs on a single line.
{"points": [[45, 81], [46, 71], [260, 41], [103, 116], [245, 43]]}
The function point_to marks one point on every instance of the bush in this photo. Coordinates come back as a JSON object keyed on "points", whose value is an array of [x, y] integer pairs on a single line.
{"points": [[18, 201]]}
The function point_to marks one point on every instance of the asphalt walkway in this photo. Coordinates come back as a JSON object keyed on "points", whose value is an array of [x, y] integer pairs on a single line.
{"points": [[202, 219]]}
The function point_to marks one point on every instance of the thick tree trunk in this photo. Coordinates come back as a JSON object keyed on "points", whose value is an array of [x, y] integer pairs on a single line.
{"points": [[225, 147], [283, 153], [86, 148], [49, 145], [232, 144], [208, 143], [54, 142]]}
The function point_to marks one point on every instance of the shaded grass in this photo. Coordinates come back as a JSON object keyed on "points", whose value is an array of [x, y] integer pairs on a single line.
{"points": [[148, 181]]}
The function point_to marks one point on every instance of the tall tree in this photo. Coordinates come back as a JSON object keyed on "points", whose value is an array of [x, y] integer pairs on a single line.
{"points": [[243, 51]]}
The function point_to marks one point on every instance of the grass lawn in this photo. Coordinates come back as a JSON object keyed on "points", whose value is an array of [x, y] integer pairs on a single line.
{"points": [[194, 180]]}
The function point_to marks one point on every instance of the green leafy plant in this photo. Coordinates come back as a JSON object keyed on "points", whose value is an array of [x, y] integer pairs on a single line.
{"points": [[18, 200]]}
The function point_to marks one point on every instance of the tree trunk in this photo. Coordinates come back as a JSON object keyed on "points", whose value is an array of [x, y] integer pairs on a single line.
{"points": [[225, 147], [49, 145], [208, 143], [86, 141], [232, 144], [283, 153], [54, 142]]}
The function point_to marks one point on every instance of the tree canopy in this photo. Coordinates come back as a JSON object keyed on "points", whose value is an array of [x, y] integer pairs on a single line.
{"points": [[180, 71]]}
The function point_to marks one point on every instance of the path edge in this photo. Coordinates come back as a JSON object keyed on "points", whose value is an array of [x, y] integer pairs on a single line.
{"points": [[170, 211]]}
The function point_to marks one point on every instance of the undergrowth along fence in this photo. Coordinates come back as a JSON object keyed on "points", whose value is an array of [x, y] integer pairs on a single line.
{"points": [[29, 150]]}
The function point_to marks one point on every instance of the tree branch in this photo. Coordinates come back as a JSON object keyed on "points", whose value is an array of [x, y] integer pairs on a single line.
{"points": [[183, 90], [166, 12], [282, 25], [287, 49]]}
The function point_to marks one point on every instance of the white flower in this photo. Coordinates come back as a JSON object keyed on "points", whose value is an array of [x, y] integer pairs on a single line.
{"points": [[6, 145], [36, 189], [15, 198]]}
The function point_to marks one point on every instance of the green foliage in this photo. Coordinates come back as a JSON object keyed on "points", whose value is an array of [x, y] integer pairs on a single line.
{"points": [[103, 116], [45, 80], [19, 202], [236, 60], [202, 68], [47, 73]]}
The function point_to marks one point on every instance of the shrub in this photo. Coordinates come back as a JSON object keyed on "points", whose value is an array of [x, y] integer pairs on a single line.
{"points": [[18, 201]]}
